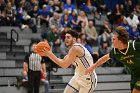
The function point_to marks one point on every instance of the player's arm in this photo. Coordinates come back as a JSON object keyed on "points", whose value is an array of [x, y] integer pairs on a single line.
{"points": [[100, 61], [66, 61], [25, 68]]}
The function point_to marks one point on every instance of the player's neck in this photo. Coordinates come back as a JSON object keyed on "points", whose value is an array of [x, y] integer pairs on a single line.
{"points": [[72, 44], [123, 46]]}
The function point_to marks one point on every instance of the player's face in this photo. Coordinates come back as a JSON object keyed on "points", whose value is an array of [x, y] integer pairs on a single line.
{"points": [[115, 41], [68, 40]]}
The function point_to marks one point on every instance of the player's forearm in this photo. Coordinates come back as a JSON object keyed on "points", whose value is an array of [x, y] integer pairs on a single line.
{"points": [[101, 61], [56, 60]]}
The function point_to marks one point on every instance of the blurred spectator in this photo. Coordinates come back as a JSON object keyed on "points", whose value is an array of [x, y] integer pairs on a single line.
{"points": [[91, 33], [2, 12], [69, 6], [57, 6], [54, 20], [135, 33], [101, 6], [50, 7], [88, 46], [82, 38], [89, 6], [128, 7], [65, 19], [63, 47], [127, 26], [10, 15], [137, 11], [34, 15], [23, 17], [30, 5], [53, 38], [120, 20], [74, 18], [106, 26], [103, 50], [63, 32], [44, 16], [63, 50], [132, 19], [82, 18], [118, 12], [26, 19], [105, 34]]}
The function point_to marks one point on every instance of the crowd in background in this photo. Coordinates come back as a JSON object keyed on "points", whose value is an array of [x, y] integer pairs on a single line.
{"points": [[61, 15]]}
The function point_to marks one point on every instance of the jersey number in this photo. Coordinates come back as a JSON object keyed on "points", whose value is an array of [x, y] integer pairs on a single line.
{"points": [[130, 61]]}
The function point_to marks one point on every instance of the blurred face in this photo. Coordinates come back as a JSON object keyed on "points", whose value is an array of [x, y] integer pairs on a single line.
{"points": [[82, 13], [9, 5], [104, 45], [73, 13], [115, 41], [65, 11], [68, 2], [90, 23], [35, 8], [69, 40], [33, 47], [79, 40], [44, 8], [56, 16]]}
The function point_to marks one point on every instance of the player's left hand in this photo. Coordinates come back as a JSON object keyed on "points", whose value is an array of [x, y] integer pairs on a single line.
{"points": [[89, 71]]}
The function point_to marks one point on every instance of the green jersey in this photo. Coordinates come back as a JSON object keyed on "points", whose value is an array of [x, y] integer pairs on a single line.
{"points": [[129, 57]]}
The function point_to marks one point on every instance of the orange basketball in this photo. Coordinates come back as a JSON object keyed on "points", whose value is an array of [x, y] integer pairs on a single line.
{"points": [[42, 45]]}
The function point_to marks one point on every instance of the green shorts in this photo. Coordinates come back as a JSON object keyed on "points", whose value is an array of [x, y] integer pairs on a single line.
{"points": [[135, 83]]}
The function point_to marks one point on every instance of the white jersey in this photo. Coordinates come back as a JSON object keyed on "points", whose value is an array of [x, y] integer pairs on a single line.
{"points": [[81, 83], [82, 63]]}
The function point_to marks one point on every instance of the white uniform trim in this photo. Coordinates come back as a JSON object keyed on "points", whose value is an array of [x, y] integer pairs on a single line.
{"points": [[134, 45]]}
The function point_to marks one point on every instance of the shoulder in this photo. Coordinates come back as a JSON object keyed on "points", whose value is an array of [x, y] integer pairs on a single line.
{"points": [[76, 48]]}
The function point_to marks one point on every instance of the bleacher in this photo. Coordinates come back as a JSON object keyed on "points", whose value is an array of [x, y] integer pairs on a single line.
{"points": [[110, 79]]}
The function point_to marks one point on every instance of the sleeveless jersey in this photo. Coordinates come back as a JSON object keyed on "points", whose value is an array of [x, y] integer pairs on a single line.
{"points": [[82, 63], [131, 58]]}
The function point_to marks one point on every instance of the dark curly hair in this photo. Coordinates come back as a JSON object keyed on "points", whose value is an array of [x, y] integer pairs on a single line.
{"points": [[73, 33]]}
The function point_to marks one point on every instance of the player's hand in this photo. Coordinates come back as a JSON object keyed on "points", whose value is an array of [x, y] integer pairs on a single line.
{"points": [[89, 71]]}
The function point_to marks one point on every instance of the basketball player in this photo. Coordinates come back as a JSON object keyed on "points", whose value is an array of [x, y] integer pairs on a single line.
{"points": [[78, 54], [127, 53]]}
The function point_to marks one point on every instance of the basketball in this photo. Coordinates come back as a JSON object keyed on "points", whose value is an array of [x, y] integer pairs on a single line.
{"points": [[42, 45]]}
